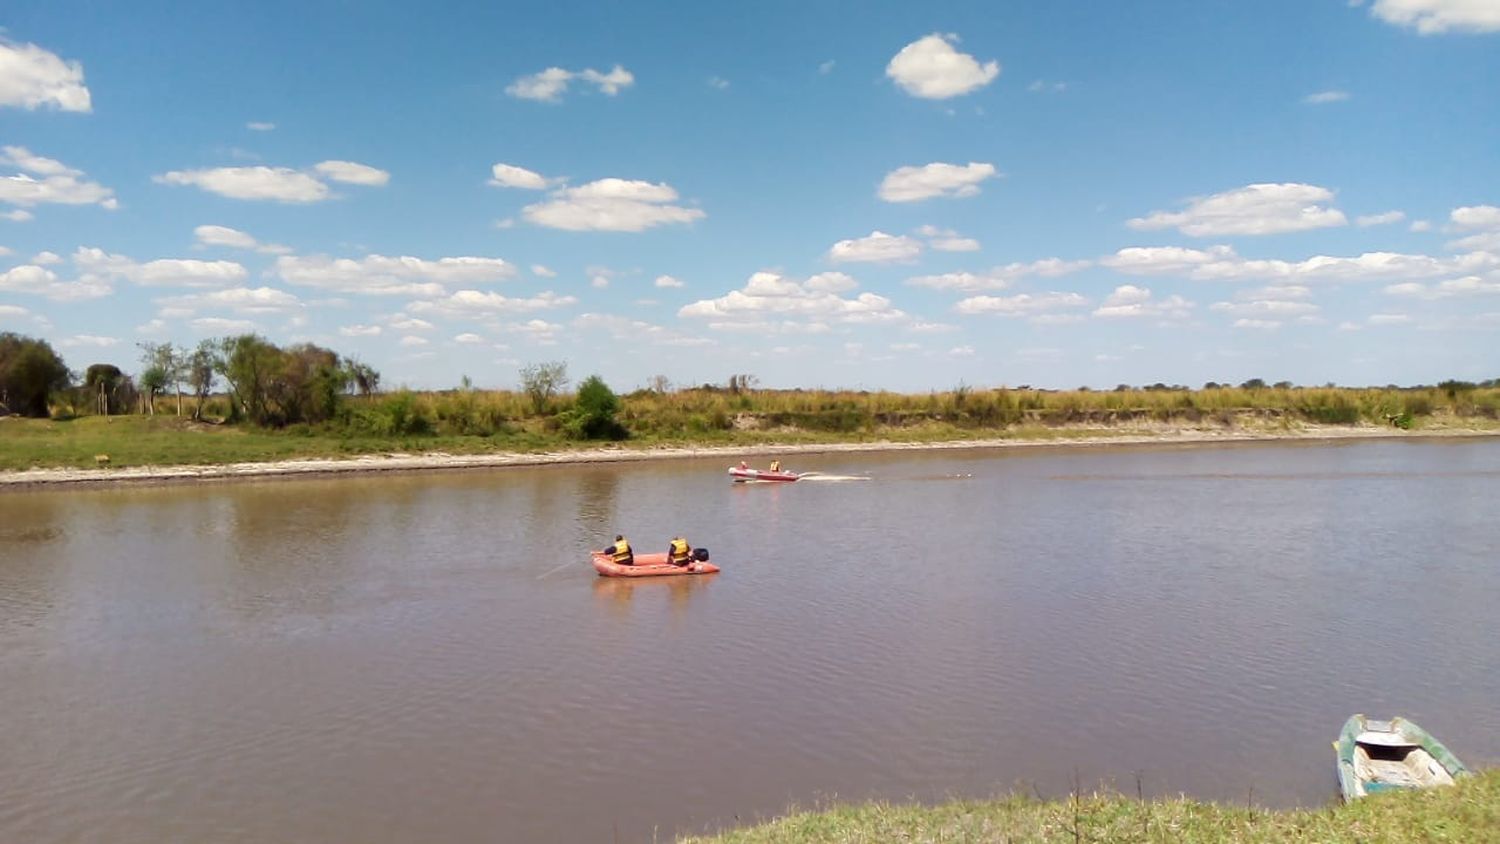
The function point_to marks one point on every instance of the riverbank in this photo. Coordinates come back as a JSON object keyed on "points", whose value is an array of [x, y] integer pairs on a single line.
{"points": [[147, 451], [1470, 811]]}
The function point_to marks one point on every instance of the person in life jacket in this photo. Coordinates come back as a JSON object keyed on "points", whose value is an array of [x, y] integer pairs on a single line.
{"points": [[679, 552], [620, 552], [776, 465], [744, 465]]}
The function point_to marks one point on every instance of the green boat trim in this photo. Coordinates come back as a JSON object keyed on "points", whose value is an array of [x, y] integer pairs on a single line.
{"points": [[1376, 756]]}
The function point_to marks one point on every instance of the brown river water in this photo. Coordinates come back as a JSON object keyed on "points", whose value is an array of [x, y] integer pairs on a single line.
{"points": [[429, 657]]}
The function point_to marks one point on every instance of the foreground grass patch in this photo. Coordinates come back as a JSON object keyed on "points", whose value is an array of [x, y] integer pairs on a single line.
{"points": [[1468, 812]]}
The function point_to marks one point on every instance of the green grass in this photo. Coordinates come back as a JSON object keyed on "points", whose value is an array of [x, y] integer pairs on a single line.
{"points": [[1468, 812], [476, 422]]}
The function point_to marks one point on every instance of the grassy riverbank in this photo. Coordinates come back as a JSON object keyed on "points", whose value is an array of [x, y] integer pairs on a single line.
{"points": [[1468, 812], [477, 422]]}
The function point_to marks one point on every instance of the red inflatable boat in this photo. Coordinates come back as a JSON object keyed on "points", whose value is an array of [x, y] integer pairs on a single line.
{"points": [[648, 565], [741, 475]]}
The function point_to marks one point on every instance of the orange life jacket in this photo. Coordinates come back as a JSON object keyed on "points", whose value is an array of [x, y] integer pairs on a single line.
{"points": [[681, 553], [622, 552]]}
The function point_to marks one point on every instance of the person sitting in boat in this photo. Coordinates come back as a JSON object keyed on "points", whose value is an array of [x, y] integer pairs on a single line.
{"points": [[744, 467], [620, 552], [776, 465], [679, 552]]}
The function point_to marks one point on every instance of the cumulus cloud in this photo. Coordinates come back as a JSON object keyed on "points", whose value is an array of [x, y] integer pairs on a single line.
{"points": [[220, 325], [45, 181], [41, 259], [17, 216], [240, 300], [611, 204], [999, 277], [947, 240], [1325, 97], [1389, 319], [1021, 304], [878, 247], [769, 296], [468, 339], [1253, 209], [1265, 308], [33, 280], [32, 77], [353, 173], [542, 271], [1433, 17], [234, 239], [1222, 263], [511, 176], [1466, 286], [380, 275], [1379, 219], [260, 126], [667, 281], [912, 183], [1482, 224], [932, 69], [100, 267], [636, 331], [475, 304], [360, 330], [549, 85], [277, 184], [1128, 301], [1258, 324], [88, 340]]}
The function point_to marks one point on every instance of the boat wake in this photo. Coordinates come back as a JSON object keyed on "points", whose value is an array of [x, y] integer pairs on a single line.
{"points": [[820, 476]]}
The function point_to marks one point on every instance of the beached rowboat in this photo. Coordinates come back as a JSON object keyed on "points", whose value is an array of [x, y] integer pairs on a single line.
{"points": [[649, 565], [740, 475], [1376, 756]]}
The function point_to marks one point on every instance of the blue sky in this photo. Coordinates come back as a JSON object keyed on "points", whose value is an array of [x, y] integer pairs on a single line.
{"points": [[859, 195]]}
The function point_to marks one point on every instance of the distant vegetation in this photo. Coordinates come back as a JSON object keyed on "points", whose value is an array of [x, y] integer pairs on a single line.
{"points": [[332, 405]]}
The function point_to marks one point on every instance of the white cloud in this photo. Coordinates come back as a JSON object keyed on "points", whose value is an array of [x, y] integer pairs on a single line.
{"points": [[878, 247], [511, 176], [827, 67], [1484, 223], [41, 259], [1389, 319], [769, 295], [260, 126], [599, 282], [411, 340], [468, 339], [912, 183], [636, 331], [1128, 301], [220, 325], [1421, 226], [1253, 209], [280, 184], [32, 77], [542, 271], [549, 85], [1466, 286], [925, 327], [1274, 308], [1042, 86], [1325, 97], [98, 265], [1432, 17], [1000, 277], [931, 69], [1380, 219], [1021, 304], [667, 281], [961, 352], [88, 340], [1258, 324], [352, 172], [240, 300], [401, 322], [17, 216], [234, 239], [476, 304], [380, 275], [1275, 291], [1222, 263], [948, 240], [154, 326], [611, 205], [360, 331], [718, 82], [58, 183]]}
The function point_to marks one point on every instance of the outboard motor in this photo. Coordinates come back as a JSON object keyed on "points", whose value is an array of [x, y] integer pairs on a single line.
{"points": [[700, 554]]}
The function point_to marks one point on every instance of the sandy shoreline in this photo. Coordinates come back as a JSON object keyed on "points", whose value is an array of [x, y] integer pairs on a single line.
{"points": [[437, 461]]}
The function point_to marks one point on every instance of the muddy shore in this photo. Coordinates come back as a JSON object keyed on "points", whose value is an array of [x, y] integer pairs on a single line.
{"points": [[438, 461]]}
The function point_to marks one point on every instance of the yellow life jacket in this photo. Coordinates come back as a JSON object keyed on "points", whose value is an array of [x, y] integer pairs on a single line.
{"points": [[776, 465], [622, 552], [681, 553]]}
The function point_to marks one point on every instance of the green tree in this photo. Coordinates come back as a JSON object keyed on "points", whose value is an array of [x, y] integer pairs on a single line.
{"points": [[103, 382], [153, 381], [200, 374], [542, 381], [248, 364], [29, 372], [592, 416]]}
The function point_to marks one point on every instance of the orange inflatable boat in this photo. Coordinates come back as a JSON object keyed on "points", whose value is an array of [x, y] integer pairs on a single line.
{"points": [[649, 565]]}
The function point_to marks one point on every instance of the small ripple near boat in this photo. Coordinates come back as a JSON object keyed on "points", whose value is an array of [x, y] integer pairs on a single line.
{"points": [[740, 475], [1376, 756], [649, 565]]}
